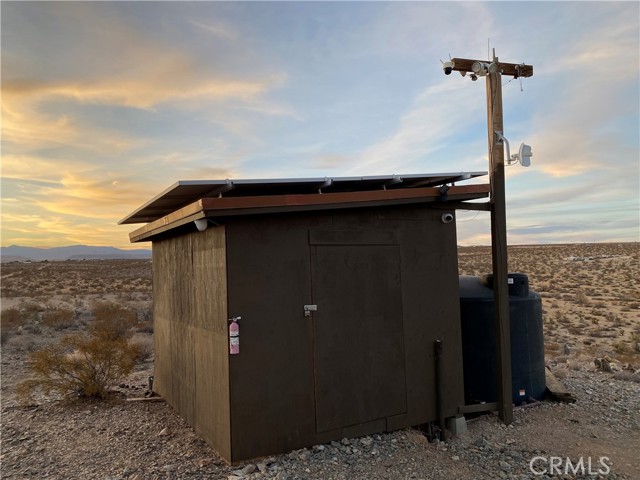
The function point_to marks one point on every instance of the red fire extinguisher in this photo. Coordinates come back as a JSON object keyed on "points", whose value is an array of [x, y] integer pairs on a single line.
{"points": [[234, 336]]}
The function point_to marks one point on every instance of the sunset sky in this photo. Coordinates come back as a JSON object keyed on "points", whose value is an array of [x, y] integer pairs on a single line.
{"points": [[106, 104]]}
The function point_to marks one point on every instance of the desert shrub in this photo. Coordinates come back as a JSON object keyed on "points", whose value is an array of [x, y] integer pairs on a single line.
{"points": [[144, 344], [59, 318], [551, 347], [29, 306], [11, 318], [112, 320], [23, 343], [5, 334], [560, 373], [81, 365], [627, 376], [34, 328], [620, 348], [581, 298]]}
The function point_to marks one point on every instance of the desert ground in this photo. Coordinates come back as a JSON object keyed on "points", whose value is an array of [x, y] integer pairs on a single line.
{"points": [[591, 310]]}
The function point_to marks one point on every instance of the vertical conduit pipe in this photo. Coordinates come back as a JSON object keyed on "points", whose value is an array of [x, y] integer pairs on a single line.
{"points": [[439, 378]]}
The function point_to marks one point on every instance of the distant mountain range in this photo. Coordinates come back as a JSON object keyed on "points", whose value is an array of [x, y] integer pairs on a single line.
{"points": [[15, 253]]}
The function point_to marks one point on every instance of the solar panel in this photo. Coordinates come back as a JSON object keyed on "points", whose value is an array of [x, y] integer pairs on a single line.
{"points": [[185, 192]]}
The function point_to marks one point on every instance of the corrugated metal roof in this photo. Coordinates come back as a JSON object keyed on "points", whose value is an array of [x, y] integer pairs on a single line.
{"points": [[185, 192]]}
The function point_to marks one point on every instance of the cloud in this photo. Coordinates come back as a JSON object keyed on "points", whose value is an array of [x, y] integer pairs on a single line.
{"points": [[175, 80], [591, 92], [104, 60], [47, 231], [217, 29], [429, 125], [329, 161]]}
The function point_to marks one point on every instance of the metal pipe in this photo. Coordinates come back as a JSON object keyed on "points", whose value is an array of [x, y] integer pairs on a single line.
{"points": [[439, 379]]}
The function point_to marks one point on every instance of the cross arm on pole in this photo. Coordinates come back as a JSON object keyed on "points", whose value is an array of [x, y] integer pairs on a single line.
{"points": [[511, 69]]}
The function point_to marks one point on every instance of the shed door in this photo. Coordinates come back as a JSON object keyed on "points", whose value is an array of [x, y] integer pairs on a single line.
{"points": [[359, 339]]}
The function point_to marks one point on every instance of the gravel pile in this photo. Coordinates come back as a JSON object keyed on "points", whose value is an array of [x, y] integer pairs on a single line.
{"points": [[120, 440]]}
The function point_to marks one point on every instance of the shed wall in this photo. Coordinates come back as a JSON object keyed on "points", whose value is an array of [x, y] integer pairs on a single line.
{"points": [[272, 384], [190, 330]]}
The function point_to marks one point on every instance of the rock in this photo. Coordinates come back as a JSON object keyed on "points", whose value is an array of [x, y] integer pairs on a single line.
{"points": [[565, 349], [482, 442], [164, 432], [169, 468], [345, 441], [366, 441], [204, 462], [504, 466], [263, 467]]}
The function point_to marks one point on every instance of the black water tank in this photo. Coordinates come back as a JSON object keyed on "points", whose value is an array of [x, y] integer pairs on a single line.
{"points": [[479, 342]]}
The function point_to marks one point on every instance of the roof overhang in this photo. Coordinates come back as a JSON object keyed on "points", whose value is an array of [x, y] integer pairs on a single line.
{"points": [[223, 207], [185, 192]]}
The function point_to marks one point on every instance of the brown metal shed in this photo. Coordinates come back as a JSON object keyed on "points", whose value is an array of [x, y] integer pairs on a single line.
{"points": [[374, 255]]}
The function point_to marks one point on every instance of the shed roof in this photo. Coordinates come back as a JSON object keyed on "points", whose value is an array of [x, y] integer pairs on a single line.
{"points": [[189, 200], [185, 192]]}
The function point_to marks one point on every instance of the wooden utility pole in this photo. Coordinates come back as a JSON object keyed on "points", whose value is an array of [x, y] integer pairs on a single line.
{"points": [[494, 70]]}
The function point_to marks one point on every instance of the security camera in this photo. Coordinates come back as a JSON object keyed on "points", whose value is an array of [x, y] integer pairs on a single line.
{"points": [[447, 67], [474, 77], [447, 217]]}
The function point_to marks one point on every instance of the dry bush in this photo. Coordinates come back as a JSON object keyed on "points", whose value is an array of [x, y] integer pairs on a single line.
{"points": [[11, 318], [81, 365], [581, 298], [621, 348], [24, 343], [59, 318], [551, 348], [560, 373], [12, 321], [144, 344], [112, 320], [5, 334], [29, 308], [627, 376]]}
